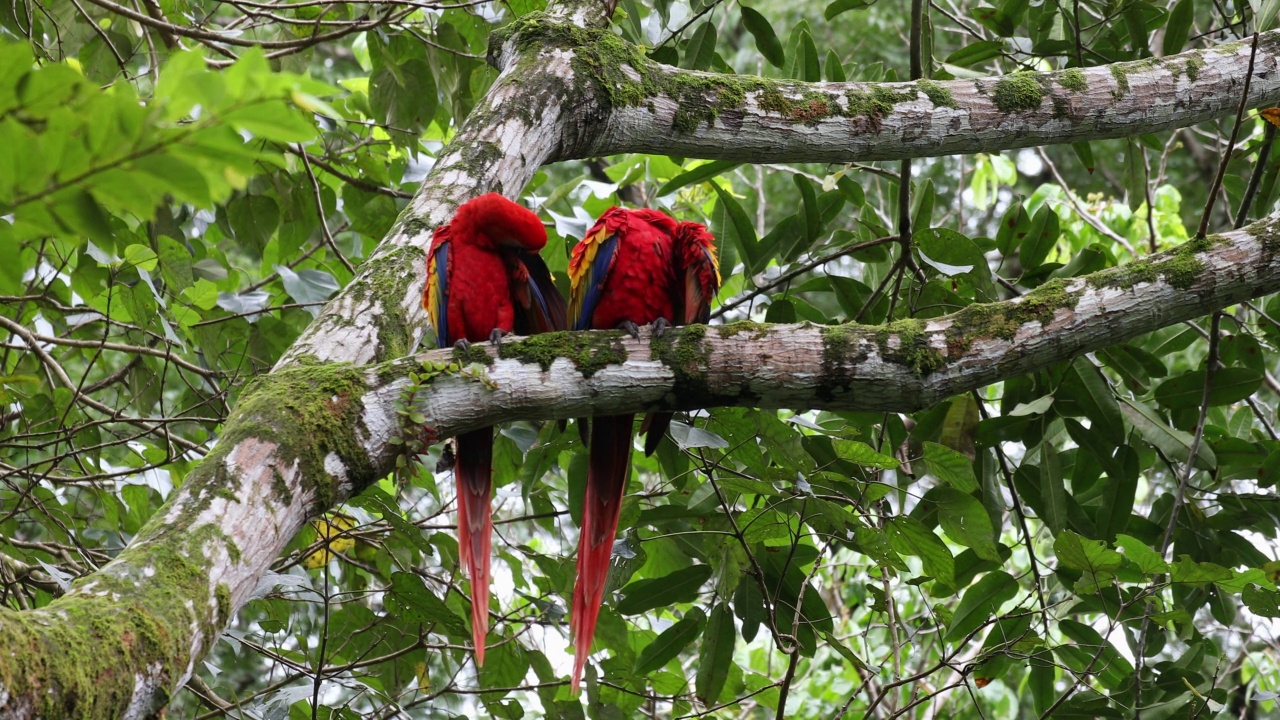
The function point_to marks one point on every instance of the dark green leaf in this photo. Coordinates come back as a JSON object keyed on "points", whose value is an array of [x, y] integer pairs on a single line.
{"points": [[716, 656], [1172, 442], [766, 40], [840, 6], [833, 68], [1041, 239], [979, 603], [965, 521], [951, 466], [975, 53], [909, 536], [1085, 154], [679, 586], [701, 47], [668, 645], [1178, 28], [1230, 385], [697, 175], [735, 227]]}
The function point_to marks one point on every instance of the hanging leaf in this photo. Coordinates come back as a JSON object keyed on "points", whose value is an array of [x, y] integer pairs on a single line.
{"points": [[716, 656], [980, 603], [766, 40]]}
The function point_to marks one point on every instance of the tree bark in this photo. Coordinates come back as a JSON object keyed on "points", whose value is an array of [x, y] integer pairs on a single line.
{"points": [[318, 428]]}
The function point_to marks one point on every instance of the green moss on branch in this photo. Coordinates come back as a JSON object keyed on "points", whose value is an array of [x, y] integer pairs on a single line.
{"points": [[589, 352]]}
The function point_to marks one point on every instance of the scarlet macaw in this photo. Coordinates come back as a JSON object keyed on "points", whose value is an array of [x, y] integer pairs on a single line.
{"points": [[633, 267], [485, 279]]}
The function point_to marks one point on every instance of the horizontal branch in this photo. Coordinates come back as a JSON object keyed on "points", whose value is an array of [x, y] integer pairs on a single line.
{"points": [[660, 109], [901, 367]]}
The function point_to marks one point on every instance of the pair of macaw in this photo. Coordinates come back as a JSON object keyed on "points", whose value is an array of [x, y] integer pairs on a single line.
{"points": [[485, 279]]}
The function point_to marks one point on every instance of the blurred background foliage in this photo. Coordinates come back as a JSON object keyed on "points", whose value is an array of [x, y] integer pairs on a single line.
{"points": [[184, 183]]}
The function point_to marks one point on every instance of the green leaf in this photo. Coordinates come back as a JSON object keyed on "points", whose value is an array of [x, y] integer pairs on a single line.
{"points": [[948, 465], [995, 20], [965, 521], [909, 536], [307, 286], [680, 586], [852, 191], [780, 310], [975, 53], [1178, 29], [1135, 173], [862, 454], [766, 40], [1091, 557], [748, 605], [1266, 18], [1112, 669], [1118, 493], [1085, 387], [761, 524], [809, 202], [1140, 554], [668, 645], [1053, 490], [1040, 679], [411, 600], [140, 256], [1172, 442], [1262, 602], [1230, 385], [271, 121], [1084, 153], [1190, 572], [832, 67], [1043, 236], [738, 229], [253, 219], [701, 47], [842, 6], [979, 603], [716, 656]]}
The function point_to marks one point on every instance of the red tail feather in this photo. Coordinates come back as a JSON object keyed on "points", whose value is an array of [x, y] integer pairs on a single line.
{"points": [[472, 471], [608, 467]]}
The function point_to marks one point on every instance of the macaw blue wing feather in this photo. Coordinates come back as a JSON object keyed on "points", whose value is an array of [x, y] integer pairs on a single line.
{"points": [[589, 268], [436, 296]]}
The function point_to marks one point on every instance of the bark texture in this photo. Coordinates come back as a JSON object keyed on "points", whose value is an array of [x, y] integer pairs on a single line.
{"points": [[316, 430]]}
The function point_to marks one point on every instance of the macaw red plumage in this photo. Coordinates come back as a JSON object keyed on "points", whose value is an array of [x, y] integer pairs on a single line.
{"points": [[484, 279], [633, 267]]}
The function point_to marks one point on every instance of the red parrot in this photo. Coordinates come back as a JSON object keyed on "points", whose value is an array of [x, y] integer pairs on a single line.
{"points": [[485, 279], [633, 267]]}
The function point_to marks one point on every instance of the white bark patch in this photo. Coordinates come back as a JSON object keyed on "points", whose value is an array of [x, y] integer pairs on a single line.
{"points": [[146, 687]]}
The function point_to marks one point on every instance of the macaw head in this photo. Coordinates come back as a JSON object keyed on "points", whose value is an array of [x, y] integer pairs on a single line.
{"points": [[498, 222]]}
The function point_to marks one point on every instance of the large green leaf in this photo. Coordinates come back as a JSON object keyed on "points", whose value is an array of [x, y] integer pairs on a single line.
{"points": [[766, 40], [716, 655], [668, 645], [679, 586], [979, 603]]}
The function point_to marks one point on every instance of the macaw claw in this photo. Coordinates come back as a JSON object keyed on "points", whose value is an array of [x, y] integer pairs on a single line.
{"points": [[632, 329]]}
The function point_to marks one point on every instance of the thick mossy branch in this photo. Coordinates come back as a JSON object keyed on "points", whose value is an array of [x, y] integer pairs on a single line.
{"points": [[91, 649], [622, 76], [309, 411]]}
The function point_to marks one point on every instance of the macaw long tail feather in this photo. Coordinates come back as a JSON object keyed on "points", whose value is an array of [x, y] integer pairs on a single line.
{"points": [[654, 428], [607, 470], [475, 526]]}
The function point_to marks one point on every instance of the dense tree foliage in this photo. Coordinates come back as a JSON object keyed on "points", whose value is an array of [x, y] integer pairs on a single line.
{"points": [[184, 184]]}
